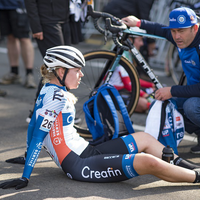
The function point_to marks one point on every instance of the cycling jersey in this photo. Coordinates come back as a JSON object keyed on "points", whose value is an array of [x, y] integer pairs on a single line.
{"points": [[52, 126]]}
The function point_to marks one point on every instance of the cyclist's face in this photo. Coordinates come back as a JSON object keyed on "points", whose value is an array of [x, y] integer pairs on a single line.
{"points": [[73, 78], [184, 36]]}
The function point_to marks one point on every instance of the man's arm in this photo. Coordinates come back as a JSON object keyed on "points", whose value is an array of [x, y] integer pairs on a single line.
{"points": [[151, 27], [186, 91], [33, 15]]}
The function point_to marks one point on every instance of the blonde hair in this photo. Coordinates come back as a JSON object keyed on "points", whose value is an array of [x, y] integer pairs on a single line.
{"points": [[49, 75], [46, 74]]}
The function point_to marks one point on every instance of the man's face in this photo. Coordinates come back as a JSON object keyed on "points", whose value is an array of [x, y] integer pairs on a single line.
{"points": [[184, 36]]}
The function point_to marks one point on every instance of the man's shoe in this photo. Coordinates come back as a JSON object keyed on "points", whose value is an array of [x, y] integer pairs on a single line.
{"points": [[28, 119], [77, 120], [195, 149], [10, 78], [3, 93], [30, 83]]}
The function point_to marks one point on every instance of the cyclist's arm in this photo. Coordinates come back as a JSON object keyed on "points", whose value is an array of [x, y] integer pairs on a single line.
{"points": [[186, 91], [47, 109], [33, 151], [146, 84]]}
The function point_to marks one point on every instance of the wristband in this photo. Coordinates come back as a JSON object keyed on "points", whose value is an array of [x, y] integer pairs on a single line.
{"points": [[138, 24]]}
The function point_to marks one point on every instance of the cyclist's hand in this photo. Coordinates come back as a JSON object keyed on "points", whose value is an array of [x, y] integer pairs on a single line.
{"points": [[163, 93], [17, 183], [130, 20]]}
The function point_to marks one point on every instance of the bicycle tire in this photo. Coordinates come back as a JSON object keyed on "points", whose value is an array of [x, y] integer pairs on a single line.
{"points": [[95, 63], [175, 65]]}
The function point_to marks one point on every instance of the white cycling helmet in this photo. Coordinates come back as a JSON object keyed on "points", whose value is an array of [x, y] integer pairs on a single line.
{"points": [[63, 56]]}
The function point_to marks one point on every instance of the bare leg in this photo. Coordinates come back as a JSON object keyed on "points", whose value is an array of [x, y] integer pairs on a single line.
{"points": [[142, 105], [27, 52], [13, 50], [148, 164], [148, 144]]}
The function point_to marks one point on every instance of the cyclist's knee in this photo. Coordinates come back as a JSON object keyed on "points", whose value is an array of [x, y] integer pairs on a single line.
{"points": [[147, 164]]}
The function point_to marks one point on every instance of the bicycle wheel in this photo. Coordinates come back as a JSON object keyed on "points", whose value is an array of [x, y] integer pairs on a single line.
{"points": [[98, 63], [175, 65]]}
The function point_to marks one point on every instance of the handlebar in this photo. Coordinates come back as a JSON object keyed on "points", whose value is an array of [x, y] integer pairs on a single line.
{"points": [[112, 23]]}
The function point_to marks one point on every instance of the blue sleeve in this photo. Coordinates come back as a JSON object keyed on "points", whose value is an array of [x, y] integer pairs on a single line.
{"points": [[156, 29], [30, 130], [186, 91], [34, 148]]}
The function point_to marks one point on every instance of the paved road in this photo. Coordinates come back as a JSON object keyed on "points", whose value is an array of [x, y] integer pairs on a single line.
{"points": [[47, 181]]}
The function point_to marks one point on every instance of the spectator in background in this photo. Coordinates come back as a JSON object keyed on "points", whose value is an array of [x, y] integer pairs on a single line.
{"points": [[50, 24], [14, 25], [3, 93], [49, 21]]}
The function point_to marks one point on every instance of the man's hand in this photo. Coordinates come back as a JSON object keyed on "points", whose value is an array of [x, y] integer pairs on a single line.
{"points": [[39, 35], [17, 183], [130, 21], [163, 93]]}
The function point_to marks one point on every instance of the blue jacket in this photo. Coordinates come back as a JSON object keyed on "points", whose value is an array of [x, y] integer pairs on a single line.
{"points": [[189, 57], [11, 4]]}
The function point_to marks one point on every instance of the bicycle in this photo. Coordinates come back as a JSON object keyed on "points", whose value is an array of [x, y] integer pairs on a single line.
{"points": [[100, 65]]}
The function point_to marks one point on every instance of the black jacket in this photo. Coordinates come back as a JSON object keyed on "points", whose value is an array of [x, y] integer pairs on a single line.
{"points": [[46, 11]]}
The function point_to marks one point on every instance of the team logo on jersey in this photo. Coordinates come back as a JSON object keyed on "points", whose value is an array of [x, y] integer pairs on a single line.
{"points": [[190, 62], [57, 140], [57, 95], [39, 100], [39, 145], [51, 113]]}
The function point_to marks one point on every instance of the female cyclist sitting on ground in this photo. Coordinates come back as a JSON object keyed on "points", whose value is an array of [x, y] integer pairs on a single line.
{"points": [[52, 126]]}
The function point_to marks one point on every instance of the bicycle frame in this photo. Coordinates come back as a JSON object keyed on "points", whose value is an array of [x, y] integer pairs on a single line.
{"points": [[137, 56]]}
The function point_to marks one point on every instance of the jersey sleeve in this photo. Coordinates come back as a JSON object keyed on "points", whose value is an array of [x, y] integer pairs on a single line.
{"points": [[125, 79]]}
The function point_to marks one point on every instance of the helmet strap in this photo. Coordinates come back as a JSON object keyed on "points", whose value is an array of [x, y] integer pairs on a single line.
{"points": [[62, 82]]}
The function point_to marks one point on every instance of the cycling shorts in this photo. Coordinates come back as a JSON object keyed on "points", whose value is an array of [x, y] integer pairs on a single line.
{"points": [[110, 161], [13, 23]]}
